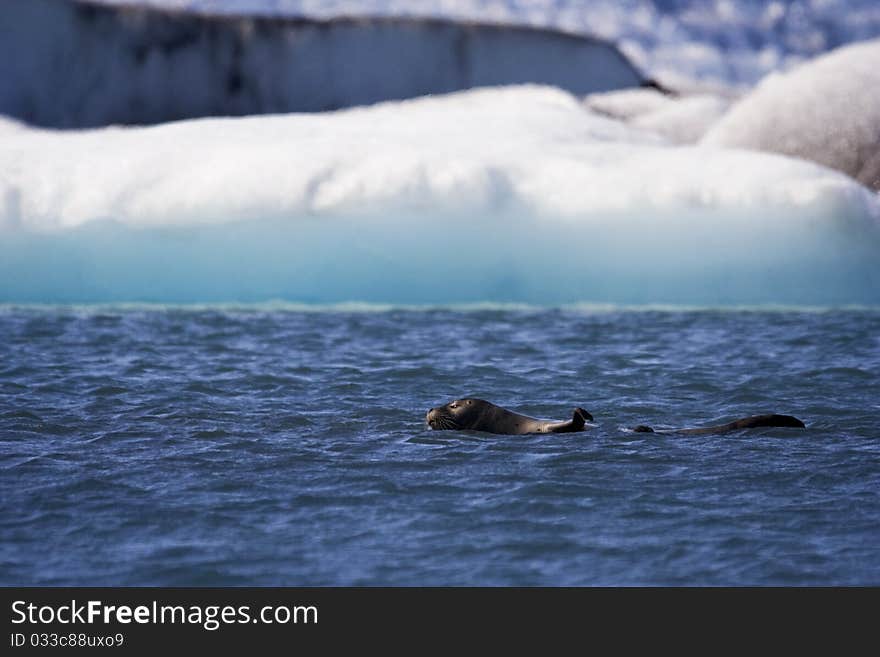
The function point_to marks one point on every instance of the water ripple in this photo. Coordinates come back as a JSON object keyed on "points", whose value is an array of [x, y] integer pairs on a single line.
{"points": [[282, 446]]}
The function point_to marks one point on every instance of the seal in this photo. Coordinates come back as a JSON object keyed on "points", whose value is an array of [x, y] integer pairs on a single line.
{"points": [[480, 415], [753, 422]]}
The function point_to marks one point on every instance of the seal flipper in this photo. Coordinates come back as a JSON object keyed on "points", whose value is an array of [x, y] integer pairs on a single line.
{"points": [[643, 429], [578, 419], [582, 416]]}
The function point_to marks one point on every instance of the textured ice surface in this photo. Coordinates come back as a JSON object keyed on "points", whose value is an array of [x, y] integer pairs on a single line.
{"points": [[511, 194], [827, 111], [68, 65], [724, 40], [685, 121], [524, 150], [627, 104], [681, 119]]}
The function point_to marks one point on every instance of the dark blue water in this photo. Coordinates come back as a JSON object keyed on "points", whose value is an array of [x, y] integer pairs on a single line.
{"points": [[275, 446]]}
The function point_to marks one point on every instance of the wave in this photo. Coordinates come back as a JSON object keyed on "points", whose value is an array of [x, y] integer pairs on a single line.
{"points": [[361, 307]]}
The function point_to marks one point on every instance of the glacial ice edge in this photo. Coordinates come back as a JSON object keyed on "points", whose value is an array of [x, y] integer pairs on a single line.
{"points": [[513, 195]]}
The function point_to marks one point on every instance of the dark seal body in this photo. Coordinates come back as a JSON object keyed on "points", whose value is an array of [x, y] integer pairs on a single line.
{"points": [[480, 415], [771, 420]]}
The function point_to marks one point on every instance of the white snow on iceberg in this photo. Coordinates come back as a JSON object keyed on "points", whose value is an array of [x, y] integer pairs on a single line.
{"points": [[512, 194], [680, 118], [826, 111]]}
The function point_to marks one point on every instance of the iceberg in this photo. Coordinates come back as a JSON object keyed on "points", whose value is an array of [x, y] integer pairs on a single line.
{"points": [[680, 118], [515, 194], [827, 111], [69, 64], [674, 41]]}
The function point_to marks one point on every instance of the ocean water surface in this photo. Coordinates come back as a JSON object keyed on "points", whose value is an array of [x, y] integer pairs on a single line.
{"points": [[280, 445]]}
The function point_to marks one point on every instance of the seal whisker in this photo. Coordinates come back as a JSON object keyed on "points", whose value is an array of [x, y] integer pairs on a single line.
{"points": [[446, 422]]}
